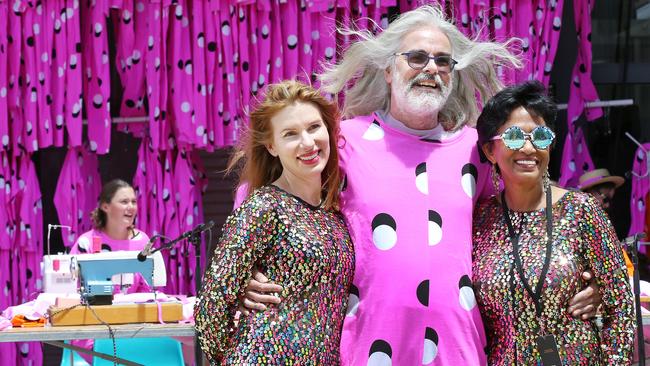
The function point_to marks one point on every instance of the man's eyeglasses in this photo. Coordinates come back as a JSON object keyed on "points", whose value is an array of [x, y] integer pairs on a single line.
{"points": [[515, 138], [418, 60]]}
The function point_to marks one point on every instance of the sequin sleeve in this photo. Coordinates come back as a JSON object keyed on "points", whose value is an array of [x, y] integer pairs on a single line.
{"points": [[246, 234], [605, 258]]}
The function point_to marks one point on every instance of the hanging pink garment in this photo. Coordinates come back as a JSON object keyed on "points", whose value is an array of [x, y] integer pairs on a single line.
{"points": [[8, 351], [25, 231], [4, 57], [97, 74], [576, 159], [582, 90], [74, 73], [77, 193], [640, 189]]}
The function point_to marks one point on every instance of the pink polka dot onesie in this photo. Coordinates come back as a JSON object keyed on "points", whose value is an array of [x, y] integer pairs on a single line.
{"points": [[408, 205]]}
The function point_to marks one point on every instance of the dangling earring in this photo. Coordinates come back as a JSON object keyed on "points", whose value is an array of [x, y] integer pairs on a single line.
{"points": [[496, 180], [546, 181]]}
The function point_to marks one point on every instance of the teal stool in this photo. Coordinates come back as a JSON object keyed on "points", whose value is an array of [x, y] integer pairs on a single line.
{"points": [[147, 351], [72, 358]]}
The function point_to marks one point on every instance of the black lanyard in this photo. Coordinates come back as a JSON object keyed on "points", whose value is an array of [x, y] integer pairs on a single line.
{"points": [[514, 238]]}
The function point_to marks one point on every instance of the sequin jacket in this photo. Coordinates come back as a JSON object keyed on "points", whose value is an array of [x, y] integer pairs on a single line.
{"points": [[305, 249], [583, 238]]}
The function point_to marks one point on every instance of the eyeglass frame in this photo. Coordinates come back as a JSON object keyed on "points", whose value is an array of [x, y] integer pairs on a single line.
{"points": [[452, 62], [527, 136]]}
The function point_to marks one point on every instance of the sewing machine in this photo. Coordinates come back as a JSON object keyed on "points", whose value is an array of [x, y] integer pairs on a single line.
{"points": [[96, 272]]}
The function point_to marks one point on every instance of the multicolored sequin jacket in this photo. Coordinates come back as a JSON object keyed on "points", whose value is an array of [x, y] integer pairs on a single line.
{"points": [[305, 249], [583, 238]]}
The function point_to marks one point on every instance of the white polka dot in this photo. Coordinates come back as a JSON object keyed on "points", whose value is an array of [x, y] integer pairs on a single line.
{"points": [[469, 185], [384, 237], [504, 9], [430, 351], [579, 148], [98, 99], [315, 34], [435, 233], [93, 146], [44, 57], [572, 166], [353, 305], [231, 78], [225, 29], [126, 15], [189, 220], [292, 40], [278, 62], [34, 97], [422, 183], [57, 24], [374, 132], [98, 27], [329, 52], [466, 298], [156, 112], [139, 7], [3, 92], [185, 22], [199, 41], [61, 71], [69, 12], [37, 29], [156, 62], [261, 80], [639, 205], [307, 48], [59, 120], [179, 11], [540, 14], [137, 55], [379, 359], [185, 107], [35, 145], [188, 69], [253, 38], [557, 22], [200, 131], [265, 29], [5, 142], [497, 23], [548, 66], [39, 9]]}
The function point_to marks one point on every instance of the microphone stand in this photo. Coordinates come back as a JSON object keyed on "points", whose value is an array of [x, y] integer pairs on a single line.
{"points": [[633, 249], [194, 238]]}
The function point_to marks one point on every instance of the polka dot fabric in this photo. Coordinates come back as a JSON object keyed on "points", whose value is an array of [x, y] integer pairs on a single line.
{"points": [[408, 204], [583, 239], [305, 249]]}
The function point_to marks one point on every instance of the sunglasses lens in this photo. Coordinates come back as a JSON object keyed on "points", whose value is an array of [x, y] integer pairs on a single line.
{"points": [[443, 61], [542, 137], [514, 138], [418, 60]]}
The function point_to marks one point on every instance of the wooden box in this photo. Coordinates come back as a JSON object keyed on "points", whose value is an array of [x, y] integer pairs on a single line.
{"points": [[115, 314]]}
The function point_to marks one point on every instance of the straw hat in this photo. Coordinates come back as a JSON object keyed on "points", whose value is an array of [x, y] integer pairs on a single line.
{"points": [[598, 176]]}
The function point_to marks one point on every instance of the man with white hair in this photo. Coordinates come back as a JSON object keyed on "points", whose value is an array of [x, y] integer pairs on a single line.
{"points": [[413, 175]]}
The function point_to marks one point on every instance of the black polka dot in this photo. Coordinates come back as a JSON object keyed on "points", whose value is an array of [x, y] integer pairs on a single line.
{"points": [[244, 65], [30, 41], [422, 292]]}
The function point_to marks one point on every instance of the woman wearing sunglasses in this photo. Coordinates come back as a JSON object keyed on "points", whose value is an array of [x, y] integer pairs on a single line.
{"points": [[533, 240]]}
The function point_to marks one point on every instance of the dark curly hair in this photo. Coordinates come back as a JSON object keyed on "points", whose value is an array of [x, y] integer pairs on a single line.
{"points": [[531, 95]]}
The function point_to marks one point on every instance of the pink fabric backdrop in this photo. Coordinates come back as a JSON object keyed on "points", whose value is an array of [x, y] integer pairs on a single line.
{"points": [[191, 69]]}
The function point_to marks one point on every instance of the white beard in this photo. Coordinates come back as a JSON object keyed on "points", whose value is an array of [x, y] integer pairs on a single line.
{"points": [[420, 101]]}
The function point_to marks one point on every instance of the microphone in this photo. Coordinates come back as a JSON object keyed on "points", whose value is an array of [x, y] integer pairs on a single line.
{"points": [[198, 229], [146, 251]]}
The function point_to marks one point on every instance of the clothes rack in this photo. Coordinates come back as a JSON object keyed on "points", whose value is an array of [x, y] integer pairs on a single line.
{"points": [[602, 103]]}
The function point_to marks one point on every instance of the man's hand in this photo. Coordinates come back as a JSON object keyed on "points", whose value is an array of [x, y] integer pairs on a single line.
{"points": [[258, 293], [585, 303]]}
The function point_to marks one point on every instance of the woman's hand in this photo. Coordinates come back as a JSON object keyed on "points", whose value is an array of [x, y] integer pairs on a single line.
{"points": [[258, 293], [586, 302]]}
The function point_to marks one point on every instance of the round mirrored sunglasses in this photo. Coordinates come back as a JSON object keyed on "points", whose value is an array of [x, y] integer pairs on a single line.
{"points": [[515, 138], [418, 60]]}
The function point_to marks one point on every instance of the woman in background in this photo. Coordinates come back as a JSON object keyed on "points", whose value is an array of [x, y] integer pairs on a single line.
{"points": [[290, 227], [532, 242]]}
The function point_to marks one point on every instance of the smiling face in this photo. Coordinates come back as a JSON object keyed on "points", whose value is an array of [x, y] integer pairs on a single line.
{"points": [[526, 165], [420, 92], [122, 209], [301, 141]]}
